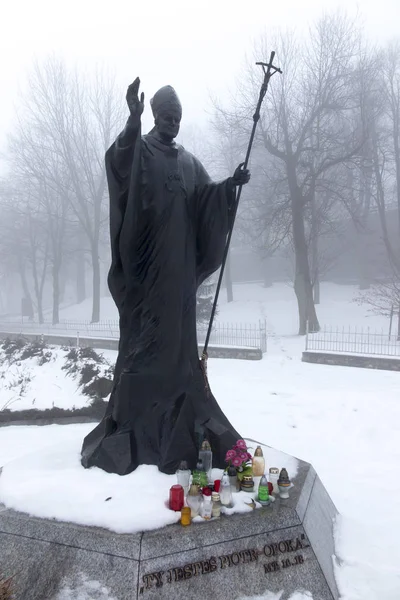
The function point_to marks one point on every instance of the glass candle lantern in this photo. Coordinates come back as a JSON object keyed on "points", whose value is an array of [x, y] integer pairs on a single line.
{"points": [[273, 477], [183, 477], [216, 505], [263, 493], [207, 491], [194, 500], [258, 462], [176, 498], [233, 478], [284, 484], [217, 485], [186, 516], [225, 492], [205, 455], [247, 483], [206, 508], [199, 475]]}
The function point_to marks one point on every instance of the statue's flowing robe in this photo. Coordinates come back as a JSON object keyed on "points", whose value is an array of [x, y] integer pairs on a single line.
{"points": [[168, 225]]}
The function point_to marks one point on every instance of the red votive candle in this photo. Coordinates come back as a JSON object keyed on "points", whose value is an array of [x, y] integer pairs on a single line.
{"points": [[176, 498], [217, 485]]}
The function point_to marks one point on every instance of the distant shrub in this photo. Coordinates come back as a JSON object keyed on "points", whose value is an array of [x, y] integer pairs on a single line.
{"points": [[94, 410]]}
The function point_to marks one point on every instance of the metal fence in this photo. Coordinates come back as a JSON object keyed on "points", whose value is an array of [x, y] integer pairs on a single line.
{"points": [[353, 340], [246, 335]]}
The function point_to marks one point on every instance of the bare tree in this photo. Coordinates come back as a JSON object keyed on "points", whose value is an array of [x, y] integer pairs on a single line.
{"points": [[384, 139], [382, 164], [308, 129], [43, 173], [25, 242], [71, 119], [228, 149]]}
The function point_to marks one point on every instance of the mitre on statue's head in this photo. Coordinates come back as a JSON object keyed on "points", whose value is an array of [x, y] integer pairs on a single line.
{"points": [[165, 98]]}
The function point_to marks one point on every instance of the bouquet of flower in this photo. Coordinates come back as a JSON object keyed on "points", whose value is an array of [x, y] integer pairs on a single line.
{"points": [[240, 458]]}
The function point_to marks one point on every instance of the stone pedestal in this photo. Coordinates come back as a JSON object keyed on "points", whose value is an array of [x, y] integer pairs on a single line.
{"points": [[287, 546]]}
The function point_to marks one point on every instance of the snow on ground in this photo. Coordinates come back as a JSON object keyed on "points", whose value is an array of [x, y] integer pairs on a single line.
{"points": [[51, 483], [345, 421], [25, 385]]}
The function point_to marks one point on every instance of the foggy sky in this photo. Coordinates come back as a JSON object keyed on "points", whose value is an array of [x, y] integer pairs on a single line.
{"points": [[196, 46]]}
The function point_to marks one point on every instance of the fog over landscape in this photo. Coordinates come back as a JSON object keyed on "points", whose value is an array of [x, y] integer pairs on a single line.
{"points": [[313, 269]]}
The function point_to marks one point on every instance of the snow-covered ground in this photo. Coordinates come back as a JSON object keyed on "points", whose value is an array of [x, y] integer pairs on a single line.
{"points": [[45, 484], [345, 421], [25, 383]]}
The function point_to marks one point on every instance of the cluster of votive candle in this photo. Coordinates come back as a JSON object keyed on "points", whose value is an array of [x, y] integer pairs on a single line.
{"points": [[205, 497]]}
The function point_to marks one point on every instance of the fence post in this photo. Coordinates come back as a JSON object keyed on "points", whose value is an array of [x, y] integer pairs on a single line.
{"points": [[398, 325], [263, 335], [266, 335], [307, 332], [77, 339]]}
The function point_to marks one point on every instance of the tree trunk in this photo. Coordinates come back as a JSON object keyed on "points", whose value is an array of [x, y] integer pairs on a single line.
{"points": [[314, 250], [266, 268], [38, 289], [396, 145], [228, 278], [317, 290], [56, 293], [39, 302], [363, 235], [24, 283], [80, 277], [363, 262], [63, 284], [398, 325], [302, 283], [392, 253], [96, 284], [315, 268]]}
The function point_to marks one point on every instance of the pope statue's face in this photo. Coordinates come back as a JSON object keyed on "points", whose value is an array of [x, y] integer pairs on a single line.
{"points": [[168, 123]]}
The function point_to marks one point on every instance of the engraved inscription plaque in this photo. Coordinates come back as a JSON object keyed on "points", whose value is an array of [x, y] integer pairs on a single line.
{"points": [[252, 565], [277, 551]]}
